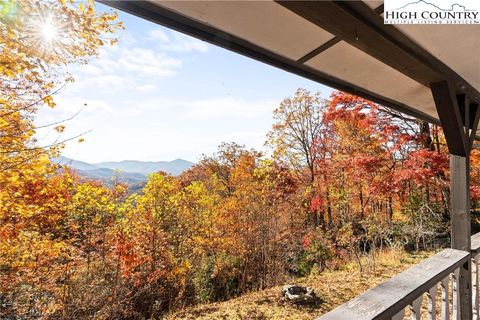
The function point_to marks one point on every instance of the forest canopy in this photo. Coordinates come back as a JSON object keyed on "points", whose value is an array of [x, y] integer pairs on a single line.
{"points": [[340, 177]]}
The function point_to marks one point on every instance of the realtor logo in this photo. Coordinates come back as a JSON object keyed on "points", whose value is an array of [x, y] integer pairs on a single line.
{"points": [[432, 12]]}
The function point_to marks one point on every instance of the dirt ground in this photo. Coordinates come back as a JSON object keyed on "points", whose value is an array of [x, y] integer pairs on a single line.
{"points": [[332, 287]]}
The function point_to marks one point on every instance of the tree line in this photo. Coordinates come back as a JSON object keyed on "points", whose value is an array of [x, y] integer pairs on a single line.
{"points": [[343, 178], [338, 178]]}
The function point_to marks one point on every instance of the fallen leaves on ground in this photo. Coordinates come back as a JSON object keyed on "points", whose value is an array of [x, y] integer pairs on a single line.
{"points": [[333, 287]]}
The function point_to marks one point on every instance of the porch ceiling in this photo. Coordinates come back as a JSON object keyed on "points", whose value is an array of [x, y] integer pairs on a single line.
{"points": [[342, 44]]}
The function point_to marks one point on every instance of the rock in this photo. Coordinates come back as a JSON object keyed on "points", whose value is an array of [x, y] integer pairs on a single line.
{"points": [[298, 294]]}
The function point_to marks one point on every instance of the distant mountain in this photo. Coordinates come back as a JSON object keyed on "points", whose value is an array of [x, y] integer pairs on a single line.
{"points": [[174, 167], [128, 171], [75, 164], [106, 175]]}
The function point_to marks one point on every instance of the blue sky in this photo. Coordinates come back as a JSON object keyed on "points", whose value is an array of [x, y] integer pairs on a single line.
{"points": [[161, 95]]}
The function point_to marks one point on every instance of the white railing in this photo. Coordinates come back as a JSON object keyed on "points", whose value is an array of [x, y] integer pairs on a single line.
{"points": [[407, 290], [475, 250]]}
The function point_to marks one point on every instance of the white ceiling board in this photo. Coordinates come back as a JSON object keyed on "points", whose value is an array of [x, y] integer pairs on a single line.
{"points": [[263, 23], [353, 65], [457, 46]]}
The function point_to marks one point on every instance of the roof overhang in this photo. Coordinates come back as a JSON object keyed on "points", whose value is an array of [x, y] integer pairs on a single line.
{"points": [[342, 44]]}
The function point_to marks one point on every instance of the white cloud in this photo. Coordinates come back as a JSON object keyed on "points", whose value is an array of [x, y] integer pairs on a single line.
{"points": [[177, 42], [105, 83], [127, 69], [135, 63], [85, 112], [229, 107], [92, 70], [158, 128], [82, 117], [127, 63], [159, 35], [147, 62], [146, 87], [211, 109]]}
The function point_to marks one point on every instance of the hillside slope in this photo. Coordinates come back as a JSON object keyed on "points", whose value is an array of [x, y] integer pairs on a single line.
{"points": [[333, 288]]}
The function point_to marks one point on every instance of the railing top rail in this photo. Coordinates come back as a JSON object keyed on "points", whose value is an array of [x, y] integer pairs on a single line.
{"points": [[387, 299], [475, 243]]}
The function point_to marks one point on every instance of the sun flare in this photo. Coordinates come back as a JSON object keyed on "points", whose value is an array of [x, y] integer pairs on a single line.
{"points": [[48, 31]]}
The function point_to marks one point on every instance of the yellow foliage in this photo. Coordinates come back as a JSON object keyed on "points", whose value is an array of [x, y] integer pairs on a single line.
{"points": [[60, 128], [34, 200]]}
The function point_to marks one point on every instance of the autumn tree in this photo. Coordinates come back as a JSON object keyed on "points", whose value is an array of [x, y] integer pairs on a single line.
{"points": [[38, 40], [298, 124]]}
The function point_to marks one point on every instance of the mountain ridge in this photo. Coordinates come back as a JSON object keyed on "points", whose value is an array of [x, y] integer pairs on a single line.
{"points": [[129, 171], [174, 167]]}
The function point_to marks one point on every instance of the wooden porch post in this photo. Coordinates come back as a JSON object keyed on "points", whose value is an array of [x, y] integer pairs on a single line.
{"points": [[459, 121], [460, 223]]}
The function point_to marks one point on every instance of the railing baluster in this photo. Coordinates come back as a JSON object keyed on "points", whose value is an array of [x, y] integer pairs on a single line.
{"points": [[432, 303], [399, 316], [416, 305], [445, 300], [455, 276], [475, 292]]}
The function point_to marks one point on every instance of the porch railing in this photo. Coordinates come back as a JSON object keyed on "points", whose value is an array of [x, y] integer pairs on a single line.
{"points": [[475, 254], [407, 290]]}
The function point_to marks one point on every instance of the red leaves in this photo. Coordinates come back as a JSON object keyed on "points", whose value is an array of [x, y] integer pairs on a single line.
{"points": [[316, 204], [306, 241], [367, 155], [421, 166], [475, 192]]}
